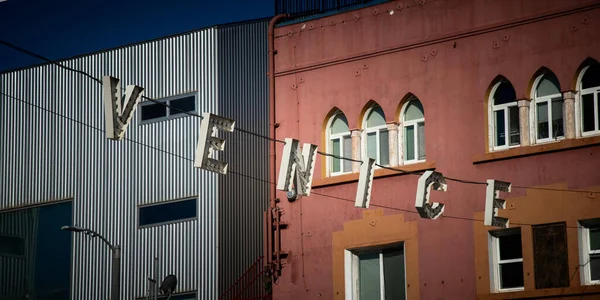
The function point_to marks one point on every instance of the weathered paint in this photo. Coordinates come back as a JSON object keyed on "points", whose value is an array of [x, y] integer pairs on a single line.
{"points": [[46, 157], [446, 53]]}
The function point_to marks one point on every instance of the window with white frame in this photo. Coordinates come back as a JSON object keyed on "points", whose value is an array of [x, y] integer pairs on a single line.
{"points": [[506, 260], [179, 105], [413, 131], [504, 115], [376, 136], [547, 108], [589, 247], [340, 144], [375, 274], [589, 100]]}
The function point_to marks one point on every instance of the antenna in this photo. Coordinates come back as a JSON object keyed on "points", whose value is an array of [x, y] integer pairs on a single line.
{"points": [[168, 285]]}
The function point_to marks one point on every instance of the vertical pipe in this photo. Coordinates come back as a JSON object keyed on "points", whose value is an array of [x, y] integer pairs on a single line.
{"points": [[272, 148], [116, 273]]}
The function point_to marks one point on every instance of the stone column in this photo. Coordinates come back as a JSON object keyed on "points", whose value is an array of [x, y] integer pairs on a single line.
{"points": [[393, 142], [523, 122], [356, 154], [569, 114]]}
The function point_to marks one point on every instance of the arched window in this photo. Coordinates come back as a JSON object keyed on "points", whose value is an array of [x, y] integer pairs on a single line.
{"points": [[376, 136], [547, 108], [589, 89], [413, 124], [504, 116], [339, 143]]}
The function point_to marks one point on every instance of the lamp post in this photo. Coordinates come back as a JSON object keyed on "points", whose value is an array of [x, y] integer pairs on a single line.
{"points": [[115, 278]]}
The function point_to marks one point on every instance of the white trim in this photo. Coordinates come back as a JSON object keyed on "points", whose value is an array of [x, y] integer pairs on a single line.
{"points": [[495, 262], [533, 116], [351, 272], [584, 255], [329, 138], [377, 130], [492, 108], [402, 128], [579, 106]]}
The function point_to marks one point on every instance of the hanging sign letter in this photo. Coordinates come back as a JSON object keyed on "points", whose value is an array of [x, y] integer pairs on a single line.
{"points": [[493, 203], [430, 210], [208, 143], [365, 183], [118, 113], [297, 164]]}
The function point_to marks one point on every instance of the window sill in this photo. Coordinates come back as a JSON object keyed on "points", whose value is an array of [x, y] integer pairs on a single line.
{"points": [[544, 293], [561, 145], [379, 173]]}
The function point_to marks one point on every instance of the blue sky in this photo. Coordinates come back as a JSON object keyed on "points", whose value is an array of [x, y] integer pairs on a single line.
{"points": [[64, 28]]}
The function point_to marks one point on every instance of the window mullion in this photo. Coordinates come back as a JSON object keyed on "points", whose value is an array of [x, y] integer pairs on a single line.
{"points": [[416, 140], [506, 127]]}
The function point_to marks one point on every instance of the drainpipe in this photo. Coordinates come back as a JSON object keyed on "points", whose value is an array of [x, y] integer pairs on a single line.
{"points": [[272, 149]]}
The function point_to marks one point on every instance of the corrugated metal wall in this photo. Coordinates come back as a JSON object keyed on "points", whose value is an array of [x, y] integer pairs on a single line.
{"points": [[46, 157], [243, 92]]}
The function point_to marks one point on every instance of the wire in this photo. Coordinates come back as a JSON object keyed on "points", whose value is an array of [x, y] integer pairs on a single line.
{"points": [[92, 127], [234, 172], [20, 49]]}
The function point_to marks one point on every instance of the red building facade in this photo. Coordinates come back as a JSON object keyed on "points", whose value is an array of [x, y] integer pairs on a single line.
{"points": [[475, 90]]}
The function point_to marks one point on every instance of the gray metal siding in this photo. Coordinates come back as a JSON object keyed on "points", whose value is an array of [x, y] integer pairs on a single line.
{"points": [[243, 96], [46, 157]]}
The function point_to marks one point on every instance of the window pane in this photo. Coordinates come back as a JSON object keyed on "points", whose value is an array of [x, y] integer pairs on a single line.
{"points": [[12, 245], [591, 77], [548, 85], [409, 142], [368, 276], [421, 139], [335, 163], [513, 125], [587, 112], [557, 118], [511, 275], [347, 153], [510, 246], [153, 111], [595, 238], [339, 124], [384, 147], [542, 120], [393, 274], [505, 93], [167, 212], [414, 111], [186, 104], [500, 135], [372, 145], [595, 266], [376, 117]]}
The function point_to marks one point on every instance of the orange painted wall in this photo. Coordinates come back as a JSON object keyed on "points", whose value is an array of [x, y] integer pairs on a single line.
{"points": [[364, 56]]}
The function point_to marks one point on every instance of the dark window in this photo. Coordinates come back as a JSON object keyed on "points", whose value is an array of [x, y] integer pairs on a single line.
{"points": [[550, 256], [181, 105], [505, 93], [591, 77], [12, 245], [510, 260], [186, 296], [167, 212], [151, 111]]}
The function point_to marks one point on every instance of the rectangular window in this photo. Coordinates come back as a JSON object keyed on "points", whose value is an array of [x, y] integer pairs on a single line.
{"points": [[167, 212], [384, 148], [500, 133], [179, 105], [421, 140], [551, 265], [347, 153], [409, 138], [506, 260], [587, 112], [589, 246], [515, 137], [376, 274], [12, 245]]}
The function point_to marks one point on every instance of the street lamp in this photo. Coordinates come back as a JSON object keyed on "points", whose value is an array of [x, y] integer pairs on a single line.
{"points": [[115, 287]]}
